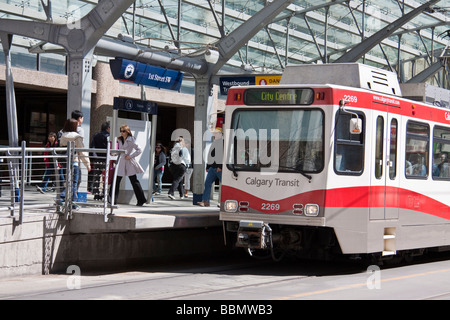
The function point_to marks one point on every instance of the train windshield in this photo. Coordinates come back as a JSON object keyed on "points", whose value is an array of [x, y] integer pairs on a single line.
{"points": [[282, 140]]}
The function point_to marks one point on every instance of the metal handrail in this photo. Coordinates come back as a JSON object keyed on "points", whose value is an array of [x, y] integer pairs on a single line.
{"points": [[23, 163]]}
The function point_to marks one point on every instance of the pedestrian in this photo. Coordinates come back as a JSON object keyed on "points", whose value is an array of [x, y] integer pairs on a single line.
{"points": [[128, 165], [214, 167], [69, 134], [179, 157], [98, 163], [188, 174], [160, 161], [49, 163], [78, 115]]}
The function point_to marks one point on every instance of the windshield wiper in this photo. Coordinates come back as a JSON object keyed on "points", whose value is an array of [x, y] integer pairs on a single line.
{"points": [[297, 170], [233, 167]]}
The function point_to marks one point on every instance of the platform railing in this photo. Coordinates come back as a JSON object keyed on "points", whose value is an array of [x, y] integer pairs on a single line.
{"points": [[40, 178]]}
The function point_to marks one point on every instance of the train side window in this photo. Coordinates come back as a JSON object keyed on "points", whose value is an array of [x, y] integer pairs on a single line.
{"points": [[379, 156], [441, 152], [349, 147], [393, 150], [417, 150]]}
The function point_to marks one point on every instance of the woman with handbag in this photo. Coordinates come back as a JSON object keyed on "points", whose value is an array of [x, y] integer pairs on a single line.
{"points": [[128, 166]]}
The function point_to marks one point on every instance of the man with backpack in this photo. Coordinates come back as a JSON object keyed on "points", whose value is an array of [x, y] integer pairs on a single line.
{"points": [[179, 158]]}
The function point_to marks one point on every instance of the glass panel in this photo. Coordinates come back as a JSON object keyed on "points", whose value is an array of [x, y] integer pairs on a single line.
{"points": [[379, 148], [53, 63], [393, 150], [417, 140], [349, 153], [291, 138], [441, 150]]}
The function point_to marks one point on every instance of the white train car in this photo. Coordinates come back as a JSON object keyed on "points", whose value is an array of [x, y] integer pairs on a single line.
{"points": [[334, 160]]}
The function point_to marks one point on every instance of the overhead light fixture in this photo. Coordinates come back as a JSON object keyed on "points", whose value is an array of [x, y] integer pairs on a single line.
{"points": [[211, 56]]}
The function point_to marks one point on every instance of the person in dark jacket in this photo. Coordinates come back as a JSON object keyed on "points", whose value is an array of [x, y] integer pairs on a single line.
{"points": [[99, 141], [49, 163], [160, 161]]}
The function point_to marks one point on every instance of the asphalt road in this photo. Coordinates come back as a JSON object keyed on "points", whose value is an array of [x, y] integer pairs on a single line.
{"points": [[243, 279]]}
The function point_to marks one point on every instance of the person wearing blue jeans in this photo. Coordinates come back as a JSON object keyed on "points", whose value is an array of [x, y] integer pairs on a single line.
{"points": [[215, 168], [213, 174], [160, 161], [69, 134]]}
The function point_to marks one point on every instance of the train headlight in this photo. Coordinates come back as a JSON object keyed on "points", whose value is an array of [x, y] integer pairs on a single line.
{"points": [[231, 206], [311, 210]]}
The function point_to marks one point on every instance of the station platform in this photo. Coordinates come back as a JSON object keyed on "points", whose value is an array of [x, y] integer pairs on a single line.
{"points": [[161, 213], [45, 241]]}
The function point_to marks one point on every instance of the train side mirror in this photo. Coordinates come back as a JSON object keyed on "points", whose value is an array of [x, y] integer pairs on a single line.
{"points": [[355, 123], [355, 126]]}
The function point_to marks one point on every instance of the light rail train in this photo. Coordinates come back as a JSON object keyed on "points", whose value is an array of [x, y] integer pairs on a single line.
{"points": [[335, 161]]}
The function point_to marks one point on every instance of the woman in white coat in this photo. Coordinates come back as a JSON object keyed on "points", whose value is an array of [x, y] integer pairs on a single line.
{"points": [[128, 166]]}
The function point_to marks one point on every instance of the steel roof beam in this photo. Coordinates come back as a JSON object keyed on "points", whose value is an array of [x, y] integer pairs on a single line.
{"points": [[79, 40], [229, 45], [365, 46], [313, 8], [427, 73]]}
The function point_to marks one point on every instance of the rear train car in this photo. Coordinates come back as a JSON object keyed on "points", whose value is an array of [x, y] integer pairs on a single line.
{"points": [[335, 161]]}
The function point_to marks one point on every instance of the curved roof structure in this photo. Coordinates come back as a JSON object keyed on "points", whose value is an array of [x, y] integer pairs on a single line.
{"points": [[307, 31]]}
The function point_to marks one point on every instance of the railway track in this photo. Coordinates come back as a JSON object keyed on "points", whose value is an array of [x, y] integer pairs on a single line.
{"points": [[241, 280]]}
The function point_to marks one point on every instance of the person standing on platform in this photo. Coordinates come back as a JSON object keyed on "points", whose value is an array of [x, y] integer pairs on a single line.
{"points": [[188, 174], [99, 141], [49, 163], [78, 115], [160, 161], [214, 167], [70, 134], [128, 166], [179, 157]]}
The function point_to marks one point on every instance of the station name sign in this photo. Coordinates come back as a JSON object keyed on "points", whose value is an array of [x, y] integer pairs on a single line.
{"points": [[228, 82], [135, 105], [145, 74]]}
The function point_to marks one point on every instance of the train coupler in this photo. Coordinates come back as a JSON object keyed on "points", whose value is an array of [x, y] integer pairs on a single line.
{"points": [[254, 235]]}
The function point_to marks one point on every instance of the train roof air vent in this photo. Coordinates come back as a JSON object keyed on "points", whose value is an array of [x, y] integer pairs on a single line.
{"points": [[345, 74]]}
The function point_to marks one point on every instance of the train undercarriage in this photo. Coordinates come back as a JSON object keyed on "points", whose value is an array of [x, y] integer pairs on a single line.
{"points": [[276, 242]]}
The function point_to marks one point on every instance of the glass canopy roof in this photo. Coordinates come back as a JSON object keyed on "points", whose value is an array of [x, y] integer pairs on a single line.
{"points": [[308, 31]]}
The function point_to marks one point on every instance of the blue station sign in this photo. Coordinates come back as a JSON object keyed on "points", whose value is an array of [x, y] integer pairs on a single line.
{"points": [[135, 105], [145, 74]]}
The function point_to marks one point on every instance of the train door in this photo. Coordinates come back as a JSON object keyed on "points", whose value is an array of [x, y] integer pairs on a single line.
{"points": [[383, 199]]}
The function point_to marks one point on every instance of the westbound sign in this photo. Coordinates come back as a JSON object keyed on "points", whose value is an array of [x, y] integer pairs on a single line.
{"points": [[144, 74], [228, 82], [135, 105]]}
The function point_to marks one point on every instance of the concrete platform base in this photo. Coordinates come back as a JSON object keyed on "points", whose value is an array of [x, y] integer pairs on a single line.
{"points": [[46, 243]]}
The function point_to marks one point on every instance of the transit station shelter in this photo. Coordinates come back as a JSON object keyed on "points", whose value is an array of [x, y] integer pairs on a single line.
{"points": [[55, 55]]}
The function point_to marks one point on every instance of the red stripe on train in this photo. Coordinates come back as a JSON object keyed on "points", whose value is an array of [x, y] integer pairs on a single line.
{"points": [[353, 197]]}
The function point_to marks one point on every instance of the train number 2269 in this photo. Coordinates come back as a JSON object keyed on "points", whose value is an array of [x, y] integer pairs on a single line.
{"points": [[270, 206], [349, 98]]}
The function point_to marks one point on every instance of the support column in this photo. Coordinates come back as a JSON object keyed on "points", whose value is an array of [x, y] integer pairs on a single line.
{"points": [[11, 109], [79, 93], [203, 105]]}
